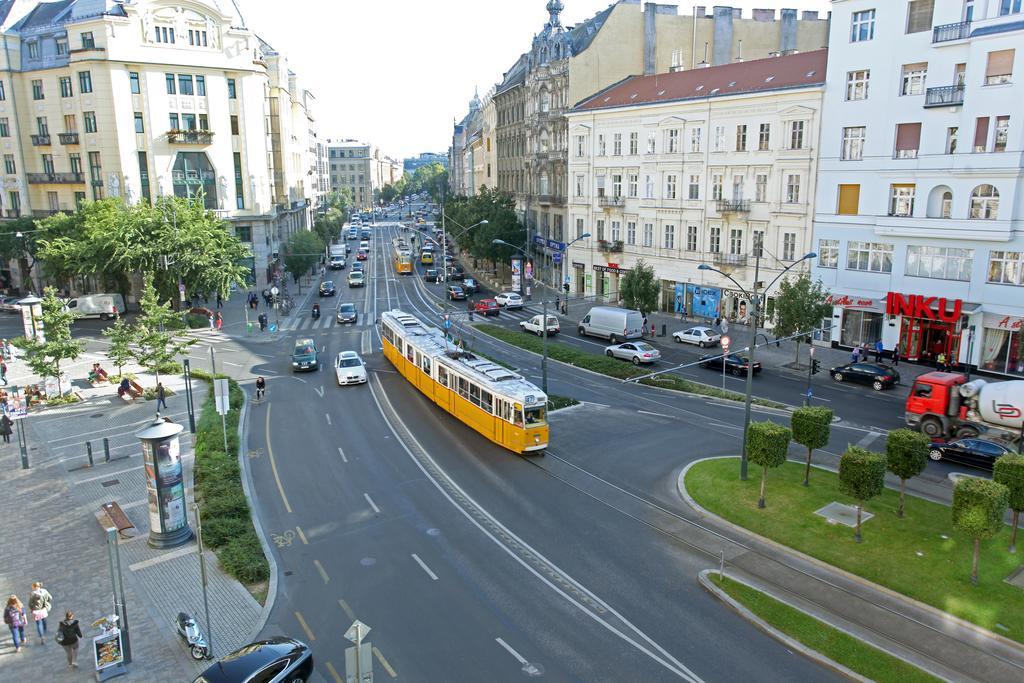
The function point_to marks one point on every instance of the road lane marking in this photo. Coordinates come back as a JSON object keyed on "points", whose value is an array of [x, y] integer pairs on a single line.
{"points": [[346, 609], [868, 439], [383, 662], [365, 346], [342, 454], [305, 626], [323, 572], [372, 504], [320, 391], [302, 536], [334, 673], [328, 416], [647, 412], [527, 666], [273, 463], [424, 567]]}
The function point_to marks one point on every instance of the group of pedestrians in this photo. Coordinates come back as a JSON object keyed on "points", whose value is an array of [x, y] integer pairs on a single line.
{"points": [[863, 353], [40, 602]]}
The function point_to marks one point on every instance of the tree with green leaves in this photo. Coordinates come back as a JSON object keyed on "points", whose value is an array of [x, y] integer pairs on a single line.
{"points": [[341, 200], [1009, 471], [302, 253], [861, 476], [978, 507], [812, 427], [639, 288], [767, 444], [800, 307], [906, 455], [158, 342], [19, 241], [45, 357], [121, 337]]}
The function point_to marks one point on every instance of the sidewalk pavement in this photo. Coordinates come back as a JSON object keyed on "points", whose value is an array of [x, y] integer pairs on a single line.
{"points": [[53, 532]]}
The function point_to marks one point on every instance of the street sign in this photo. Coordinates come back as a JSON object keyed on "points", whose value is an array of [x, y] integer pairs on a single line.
{"points": [[556, 258], [220, 395], [363, 661], [272, 327], [725, 342], [357, 631], [275, 291], [568, 279]]}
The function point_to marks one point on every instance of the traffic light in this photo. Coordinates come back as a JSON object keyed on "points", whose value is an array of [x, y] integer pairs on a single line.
{"points": [[815, 366], [566, 286]]}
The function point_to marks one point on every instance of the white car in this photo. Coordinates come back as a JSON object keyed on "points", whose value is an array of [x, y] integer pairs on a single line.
{"points": [[365, 244], [349, 368], [701, 336], [533, 325], [509, 300]]}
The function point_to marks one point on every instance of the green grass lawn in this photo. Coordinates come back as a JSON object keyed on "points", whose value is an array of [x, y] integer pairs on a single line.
{"points": [[920, 555], [854, 654], [611, 367], [558, 402]]}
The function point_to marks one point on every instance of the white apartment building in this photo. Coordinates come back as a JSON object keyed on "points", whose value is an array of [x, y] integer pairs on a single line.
{"points": [[713, 165], [921, 188]]}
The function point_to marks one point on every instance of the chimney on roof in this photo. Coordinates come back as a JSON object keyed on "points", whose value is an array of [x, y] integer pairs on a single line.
{"points": [[650, 38], [763, 15], [704, 62], [722, 35], [739, 50], [787, 31], [700, 11], [809, 15]]}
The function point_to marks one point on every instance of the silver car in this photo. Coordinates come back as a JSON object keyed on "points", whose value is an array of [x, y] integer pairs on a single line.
{"points": [[701, 336], [636, 352]]}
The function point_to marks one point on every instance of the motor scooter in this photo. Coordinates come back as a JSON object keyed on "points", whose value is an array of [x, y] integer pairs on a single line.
{"points": [[189, 630], [316, 311]]}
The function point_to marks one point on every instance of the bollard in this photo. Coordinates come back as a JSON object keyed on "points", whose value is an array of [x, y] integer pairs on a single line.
{"points": [[106, 449], [88, 451], [664, 329]]}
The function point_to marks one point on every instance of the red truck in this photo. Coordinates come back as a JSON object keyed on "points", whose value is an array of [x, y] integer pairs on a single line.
{"points": [[944, 405]]}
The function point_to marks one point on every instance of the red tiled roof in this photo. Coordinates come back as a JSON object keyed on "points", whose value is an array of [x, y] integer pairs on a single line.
{"points": [[773, 73]]}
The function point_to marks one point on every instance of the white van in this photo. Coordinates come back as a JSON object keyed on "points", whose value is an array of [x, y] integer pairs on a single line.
{"points": [[100, 306], [614, 324]]}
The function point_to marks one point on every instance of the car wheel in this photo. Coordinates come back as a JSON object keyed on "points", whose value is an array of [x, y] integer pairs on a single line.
{"points": [[931, 427], [636, 360], [705, 365], [701, 344], [609, 353], [678, 339], [613, 339], [966, 432], [877, 385], [581, 332], [935, 454], [737, 372], [540, 333], [838, 377]]}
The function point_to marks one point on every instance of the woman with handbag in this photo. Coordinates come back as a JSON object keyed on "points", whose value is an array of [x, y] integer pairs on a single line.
{"points": [[68, 635], [14, 617], [39, 603]]}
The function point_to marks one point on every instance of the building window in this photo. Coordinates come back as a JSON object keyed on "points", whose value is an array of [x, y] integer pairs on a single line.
{"points": [[796, 134], [908, 140], [872, 257], [197, 38], [630, 232], [1000, 67], [634, 143], [617, 144], [651, 141], [171, 87], [648, 234], [66, 89], [33, 49], [736, 241], [673, 141], [670, 237], [140, 127], [862, 26], [1009, 7], [788, 246], [88, 42], [828, 253], [694, 191], [670, 186], [90, 121], [951, 135], [172, 119], [761, 187], [3, 92], [718, 141], [1002, 132], [849, 200], [695, 142], [164, 34], [716, 186], [185, 84], [580, 146], [853, 143], [76, 162], [985, 202], [691, 238], [96, 175], [133, 82], [201, 88], [234, 124], [617, 185], [648, 187], [715, 240], [37, 89], [5, 127], [15, 198], [793, 189], [737, 187], [1006, 268], [741, 138], [232, 93], [914, 76], [919, 15], [42, 127], [901, 200], [239, 185], [579, 228], [616, 231], [62, 46], [981, 134], [940, 263], [633, 183], [144, 178], [758, 248], [9, 166], [857, 84], [85, 82], [764, 135]]}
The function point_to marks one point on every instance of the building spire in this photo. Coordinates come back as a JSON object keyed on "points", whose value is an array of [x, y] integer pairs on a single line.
{"points": [[554, 8]]}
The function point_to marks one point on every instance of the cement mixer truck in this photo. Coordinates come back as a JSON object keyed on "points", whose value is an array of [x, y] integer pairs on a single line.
{"points": [[944, 405]]}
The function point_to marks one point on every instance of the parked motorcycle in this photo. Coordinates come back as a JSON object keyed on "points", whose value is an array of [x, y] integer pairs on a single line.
{"points": [[189, 630]]}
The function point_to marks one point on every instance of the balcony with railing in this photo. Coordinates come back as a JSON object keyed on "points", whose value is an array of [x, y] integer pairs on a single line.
{"points": [[190, 137], [610, 246], [68, 138], [607, 202], [55, 178], [948, 32], [944, 96], [733, 206], [41, 140], [736, 260]]}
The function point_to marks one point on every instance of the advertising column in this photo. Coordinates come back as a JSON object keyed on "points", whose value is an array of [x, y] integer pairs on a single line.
{"points": [[517, 275], [165, 487]]}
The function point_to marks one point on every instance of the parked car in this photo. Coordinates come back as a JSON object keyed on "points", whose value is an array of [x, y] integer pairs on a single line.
{"points": [[509, 300], [356, 279], [456, 293], [327, 288], [9, 304], [470, 285], [614, 324], [533, 325], [877, 375], [701, 336], [636, 352], [270, 661], [431, 275], [349, 368], [305, 355], [974, 452], [734, 364], [487, 307], [347, 313]]}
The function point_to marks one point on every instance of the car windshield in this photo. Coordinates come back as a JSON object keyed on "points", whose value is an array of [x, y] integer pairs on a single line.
{"points": [[347, 308], [535, 416], [328, 283], [349, 363]]}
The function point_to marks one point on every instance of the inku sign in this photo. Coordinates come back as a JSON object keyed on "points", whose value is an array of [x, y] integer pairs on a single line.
{"points": [[927, 307]]}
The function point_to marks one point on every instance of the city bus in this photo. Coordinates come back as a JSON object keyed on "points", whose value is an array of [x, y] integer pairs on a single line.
{"points": [[402, 258], [496, 402]]}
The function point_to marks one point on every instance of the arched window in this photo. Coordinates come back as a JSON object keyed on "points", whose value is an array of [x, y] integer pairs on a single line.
{"points": [[946, 210], [545, 101], [940, 202], [985, 202]]}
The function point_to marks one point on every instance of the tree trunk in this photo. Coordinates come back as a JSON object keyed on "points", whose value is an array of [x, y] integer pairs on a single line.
{"points": [[903, 484], [807, 470], [1013, 531], [60, 392], [764, 477], [974, 561], [857, 534]]}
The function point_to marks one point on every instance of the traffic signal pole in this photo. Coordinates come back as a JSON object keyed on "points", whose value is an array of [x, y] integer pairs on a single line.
{"points": [[812, 369]]}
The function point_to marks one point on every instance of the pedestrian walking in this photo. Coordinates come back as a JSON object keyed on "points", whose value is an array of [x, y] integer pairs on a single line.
{"points": [[68, 635], [161, 396], [220, 321], [39, 603], [220, 301], [5, 428], [643, 329], [940, 362], [5, 348], [263, 321], [3, 371], [209, 316], [879, 348], [896, 356], [14, 617], [855, 354]]}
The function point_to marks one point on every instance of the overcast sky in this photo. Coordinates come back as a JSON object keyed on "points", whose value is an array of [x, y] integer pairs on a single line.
{"points": [[398, 73]]}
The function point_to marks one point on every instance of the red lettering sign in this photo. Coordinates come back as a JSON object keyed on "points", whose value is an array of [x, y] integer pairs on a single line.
{"points": [[847, 301], [1009, 323], [917, 306]]}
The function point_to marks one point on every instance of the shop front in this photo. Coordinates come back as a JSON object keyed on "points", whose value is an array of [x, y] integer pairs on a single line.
{"points": [[857, 320], [1002, 346], [549, 260], [931, 327], [606, 281]]}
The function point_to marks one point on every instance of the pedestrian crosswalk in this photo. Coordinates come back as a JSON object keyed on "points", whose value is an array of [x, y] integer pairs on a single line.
{"points": [[306, 322]]}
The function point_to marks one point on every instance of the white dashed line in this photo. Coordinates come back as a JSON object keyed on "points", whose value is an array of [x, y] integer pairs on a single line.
{"points": [[424, 567], [369, 500]]}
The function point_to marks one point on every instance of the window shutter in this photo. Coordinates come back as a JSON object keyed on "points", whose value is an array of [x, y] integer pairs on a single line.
{"points": [[919, 15], [908, 136], [1000, 63], [981, 134], [849, 200]]}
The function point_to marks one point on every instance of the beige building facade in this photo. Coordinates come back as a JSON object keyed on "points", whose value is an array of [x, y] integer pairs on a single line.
{"points": [[362, 168]]}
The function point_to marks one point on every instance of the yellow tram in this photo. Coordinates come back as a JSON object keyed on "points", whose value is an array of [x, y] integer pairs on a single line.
{"points": [[496, 402], [402, 259]]}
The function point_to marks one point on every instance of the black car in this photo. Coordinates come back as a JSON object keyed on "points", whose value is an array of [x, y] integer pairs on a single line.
{"points": [[347, 313], [470, 285], [456, 293], [268, 661], [431, 275], [327, 288], [974, 452], [875, 374], [734, 365], [456, 272]]}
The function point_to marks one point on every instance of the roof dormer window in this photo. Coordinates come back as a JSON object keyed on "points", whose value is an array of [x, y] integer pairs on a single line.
{"points": [[197, 38], [164, 34], [33, 50], [88, 42]]}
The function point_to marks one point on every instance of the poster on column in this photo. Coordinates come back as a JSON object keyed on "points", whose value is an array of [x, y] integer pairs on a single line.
{"points": [[679, 305], [706, 300], [517, 275]]}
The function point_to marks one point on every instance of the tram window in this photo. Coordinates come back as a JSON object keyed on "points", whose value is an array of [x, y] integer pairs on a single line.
{"points": [[388, 334], [426, 364], [463, 387], [474, 394], [519, 418], [486, 400], [535, 416], [442, 375], [409, 353]]}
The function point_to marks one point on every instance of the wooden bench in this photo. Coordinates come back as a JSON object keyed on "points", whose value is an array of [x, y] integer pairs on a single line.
{"points": [[117, 517]]}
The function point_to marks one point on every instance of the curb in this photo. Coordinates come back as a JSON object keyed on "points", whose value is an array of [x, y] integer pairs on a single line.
{"points": [[758, 622], [785, 549]]}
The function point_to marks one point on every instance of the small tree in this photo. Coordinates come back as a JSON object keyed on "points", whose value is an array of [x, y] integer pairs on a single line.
{"points": [[303, 252], [1009, 471], [121, 336], [767, 444], [978, 507], [45, 357], [906, 454], [156, 332], [812, 427], [861, 476], [799, 307], [639, 288]]}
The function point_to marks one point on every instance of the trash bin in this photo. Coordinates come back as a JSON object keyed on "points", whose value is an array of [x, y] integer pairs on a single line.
{"points": [[664, 329]]}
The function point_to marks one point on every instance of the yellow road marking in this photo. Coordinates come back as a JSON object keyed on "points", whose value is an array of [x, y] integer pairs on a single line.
{"points": [[323, 572], [302, 536], [334, 673], [273, 464], [385, 664], [348, 610], [305, 626]]}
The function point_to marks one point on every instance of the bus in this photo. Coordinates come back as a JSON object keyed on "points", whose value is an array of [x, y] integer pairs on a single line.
{"points": [[402, 257], [496, 402]]}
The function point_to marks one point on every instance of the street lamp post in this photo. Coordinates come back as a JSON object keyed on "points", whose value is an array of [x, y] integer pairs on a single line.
{"points": [[565, 257], [543, 321], [755, 312]]}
